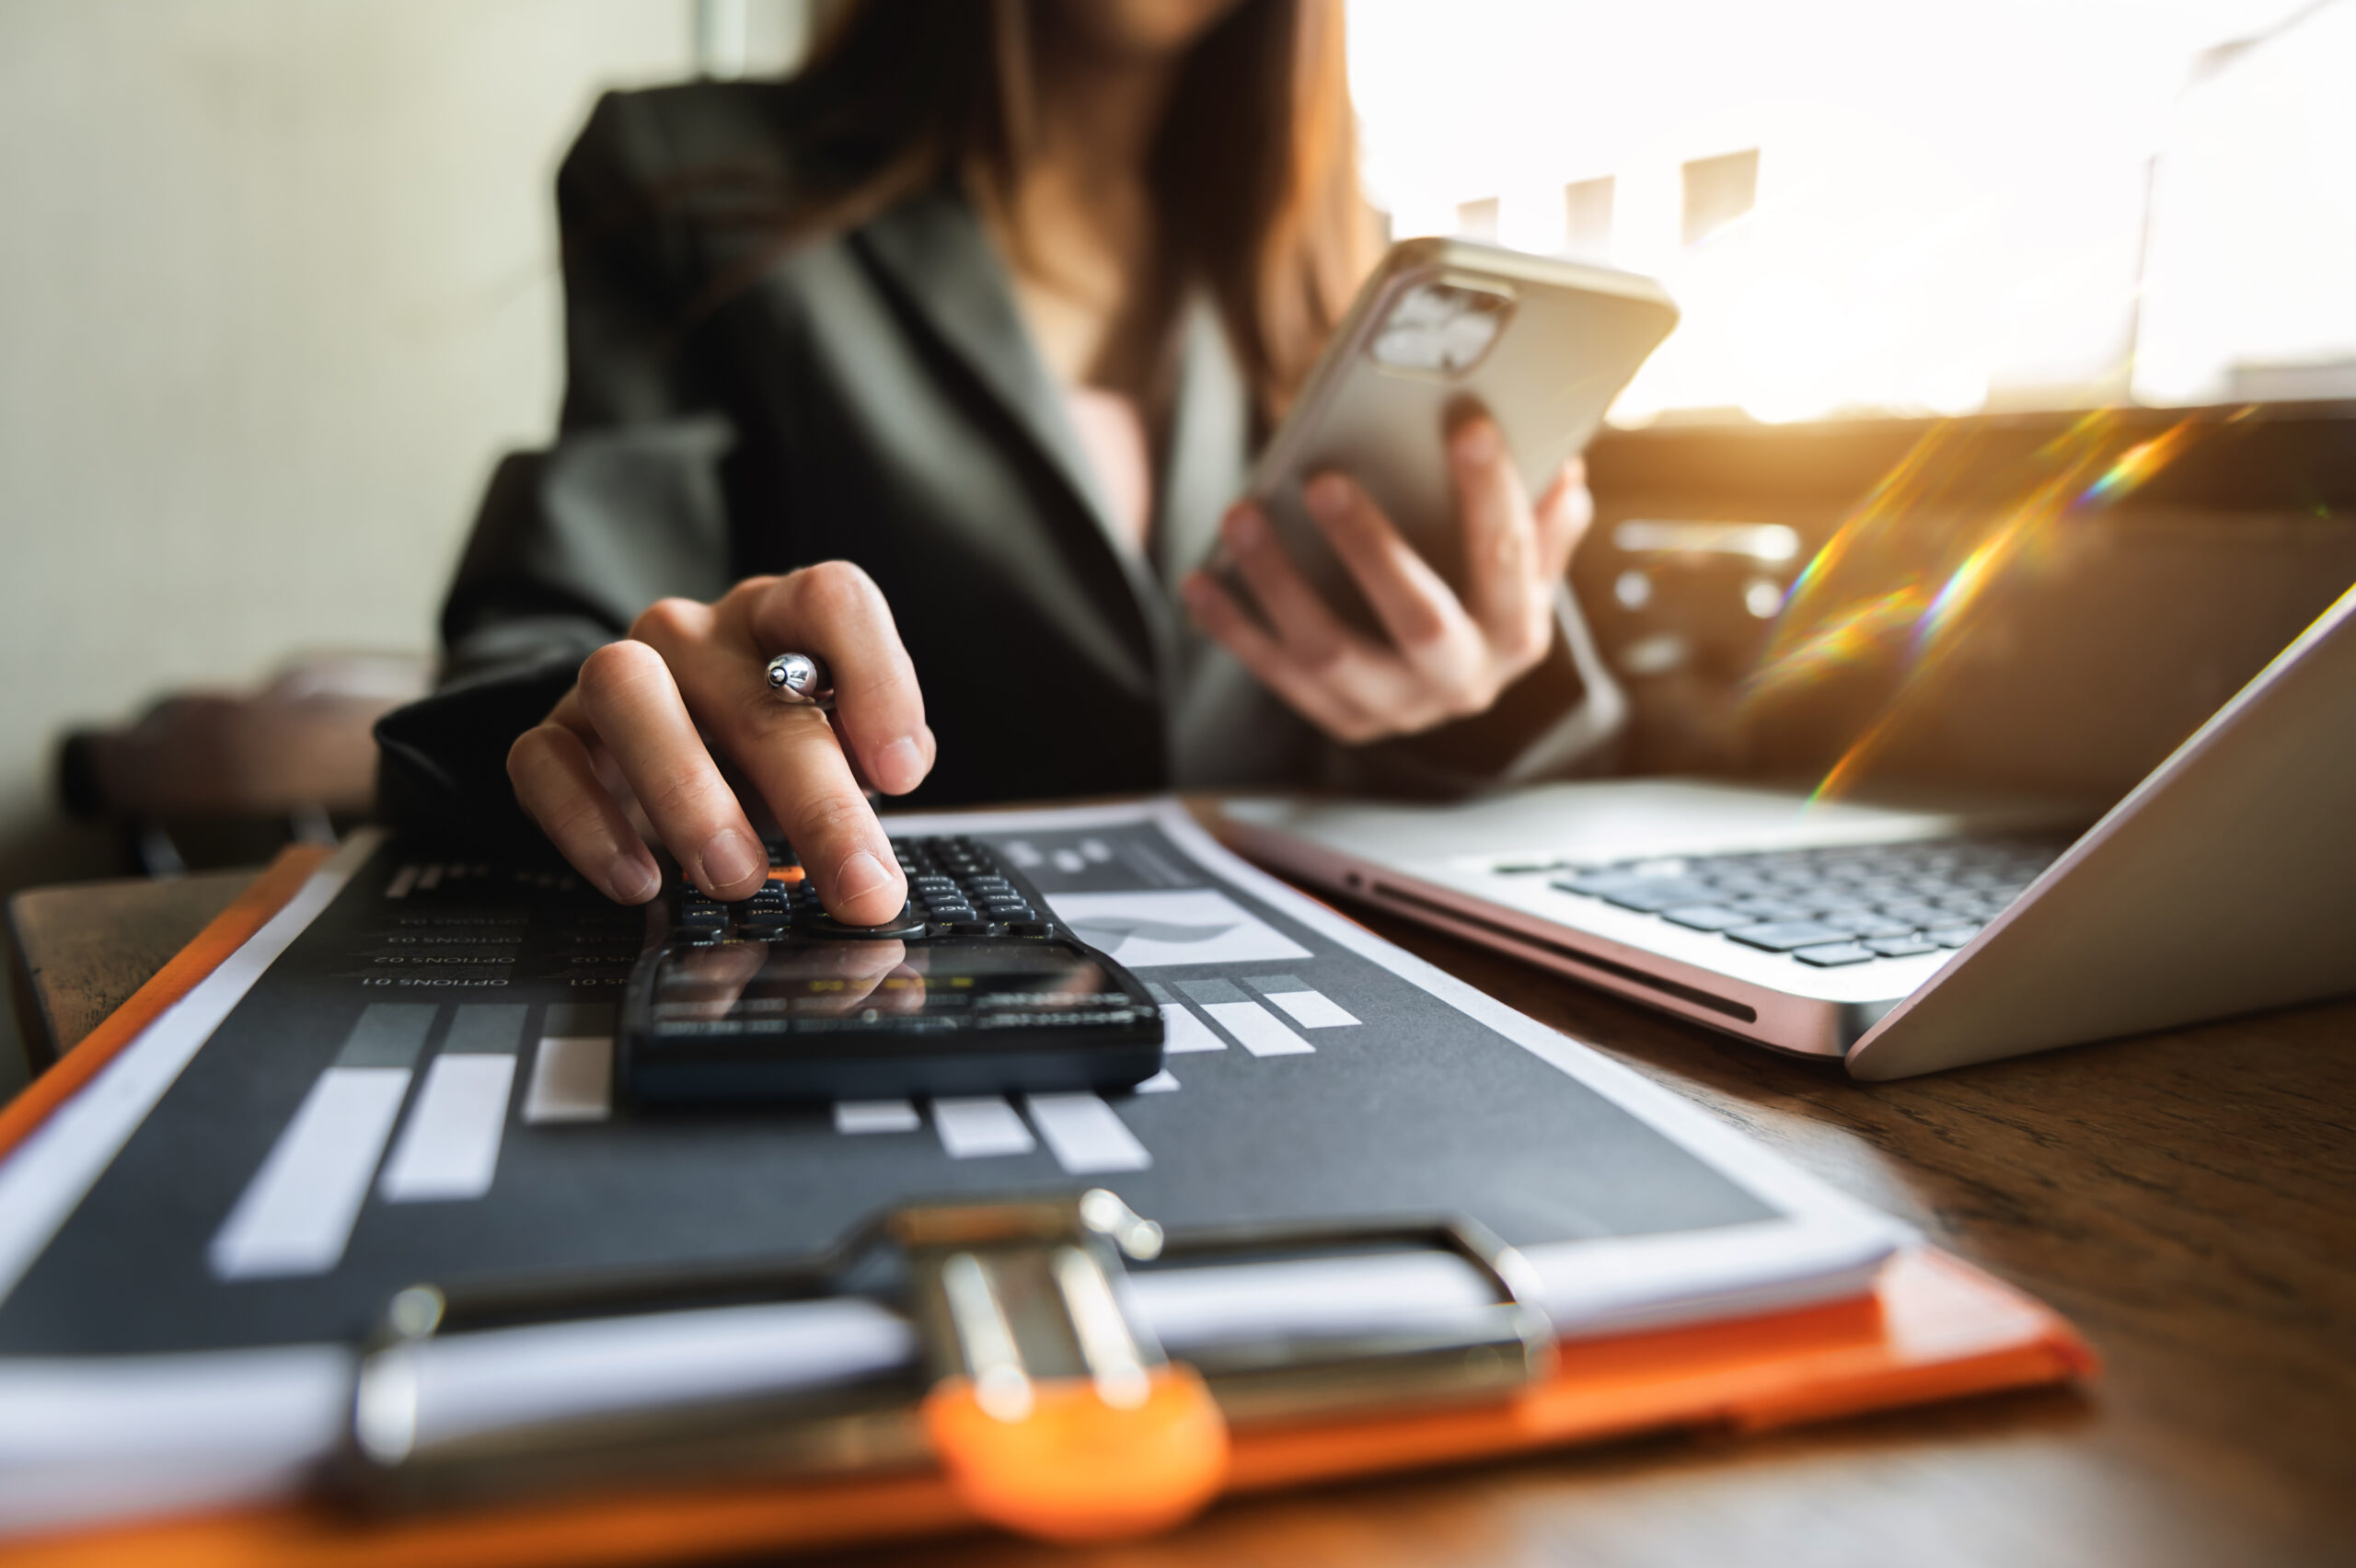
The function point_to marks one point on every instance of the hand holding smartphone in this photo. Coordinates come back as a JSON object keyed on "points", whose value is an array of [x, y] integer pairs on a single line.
{"points": [[1443, 330]]}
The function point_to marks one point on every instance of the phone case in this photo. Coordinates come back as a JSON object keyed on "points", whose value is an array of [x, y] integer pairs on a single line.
{"points": [[1446, 327]]}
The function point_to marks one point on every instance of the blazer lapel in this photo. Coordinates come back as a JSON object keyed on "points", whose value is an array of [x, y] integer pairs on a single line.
{"points": [[1203, 464], [934, 248]]}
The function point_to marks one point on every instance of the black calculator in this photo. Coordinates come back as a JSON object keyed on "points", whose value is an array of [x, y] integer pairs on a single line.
{"points": [[975, 987]]}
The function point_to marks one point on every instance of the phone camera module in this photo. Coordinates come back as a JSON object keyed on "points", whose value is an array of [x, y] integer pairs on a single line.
{"points": [[1440, 328]]}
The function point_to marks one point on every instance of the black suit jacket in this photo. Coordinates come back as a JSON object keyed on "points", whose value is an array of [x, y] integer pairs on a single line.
{"points": [[733, 407]]}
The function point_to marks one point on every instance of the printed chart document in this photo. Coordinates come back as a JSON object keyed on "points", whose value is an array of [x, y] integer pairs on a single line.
{"points": [[408, 1076]]}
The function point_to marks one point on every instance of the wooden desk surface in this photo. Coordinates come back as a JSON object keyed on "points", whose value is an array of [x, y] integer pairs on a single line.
{"points": [[2190, 1199], [79, 951]]}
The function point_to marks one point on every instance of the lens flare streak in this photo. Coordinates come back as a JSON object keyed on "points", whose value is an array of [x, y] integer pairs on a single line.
{"points": [[2136, 465], [1848, 637], [1817, 633]]}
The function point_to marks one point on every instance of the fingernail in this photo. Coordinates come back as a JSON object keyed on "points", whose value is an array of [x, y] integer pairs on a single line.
{"points": [[860, 874], [731, 857], [1328, 495], [1476, 442], [1245, 528], [629, 880], [899, 765]]}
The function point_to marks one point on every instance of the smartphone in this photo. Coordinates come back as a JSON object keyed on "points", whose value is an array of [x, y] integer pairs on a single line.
{"points": [[1444, 328], [975, 987]]}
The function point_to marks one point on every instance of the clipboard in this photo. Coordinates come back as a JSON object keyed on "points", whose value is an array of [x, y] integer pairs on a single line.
{"points": [[1931, 1328]]}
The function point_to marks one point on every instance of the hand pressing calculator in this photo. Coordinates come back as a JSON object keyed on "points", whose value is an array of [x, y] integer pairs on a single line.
{"points": [[974, 988]]}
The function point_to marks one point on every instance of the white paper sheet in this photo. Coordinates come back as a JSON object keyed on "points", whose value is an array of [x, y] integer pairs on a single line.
{"points": [[109, 1437]]}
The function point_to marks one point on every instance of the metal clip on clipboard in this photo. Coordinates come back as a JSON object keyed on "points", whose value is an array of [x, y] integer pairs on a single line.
{"points": [[1038, 1390]]}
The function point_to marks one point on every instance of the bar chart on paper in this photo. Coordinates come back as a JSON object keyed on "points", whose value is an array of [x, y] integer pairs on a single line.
{"points": [[422, 1088]]}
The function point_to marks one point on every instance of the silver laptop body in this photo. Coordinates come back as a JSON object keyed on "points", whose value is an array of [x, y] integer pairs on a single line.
{"points": [[2225, 882]]}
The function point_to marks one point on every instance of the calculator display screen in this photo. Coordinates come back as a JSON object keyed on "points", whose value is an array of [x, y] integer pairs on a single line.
{"points": [[833, 987]]}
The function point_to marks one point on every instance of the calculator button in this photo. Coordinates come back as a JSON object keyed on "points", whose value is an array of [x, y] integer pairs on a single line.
{"points": [[1029, 928], [908, 923]]}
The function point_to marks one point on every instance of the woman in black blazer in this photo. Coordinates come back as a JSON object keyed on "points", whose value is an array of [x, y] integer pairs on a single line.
{"points": [[944, 360]]}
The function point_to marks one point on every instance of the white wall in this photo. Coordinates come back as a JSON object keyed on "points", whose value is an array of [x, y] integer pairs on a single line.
{"points": [[276, 286]]}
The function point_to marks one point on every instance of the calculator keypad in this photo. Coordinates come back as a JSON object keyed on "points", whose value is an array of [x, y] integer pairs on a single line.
{"points": [[963, 888], [956, 888]]}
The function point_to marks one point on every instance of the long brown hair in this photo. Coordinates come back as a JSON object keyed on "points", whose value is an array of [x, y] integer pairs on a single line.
{"points": [[1253, 172]]}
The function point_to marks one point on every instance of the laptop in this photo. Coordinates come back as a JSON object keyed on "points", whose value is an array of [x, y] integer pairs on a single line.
{"points": [[1905, 934]]}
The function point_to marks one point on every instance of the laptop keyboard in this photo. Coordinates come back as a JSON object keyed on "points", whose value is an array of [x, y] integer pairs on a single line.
{"points": [[1828, 907]]}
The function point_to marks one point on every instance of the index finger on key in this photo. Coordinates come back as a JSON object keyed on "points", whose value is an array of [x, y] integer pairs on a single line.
{"points": [[631, 694], [790, 753], [834, 611]]}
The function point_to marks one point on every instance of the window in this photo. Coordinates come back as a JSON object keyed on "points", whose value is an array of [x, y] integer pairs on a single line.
{"points": [[1719, 193], [1587, 219], [1903, 206], [1477, 220]]}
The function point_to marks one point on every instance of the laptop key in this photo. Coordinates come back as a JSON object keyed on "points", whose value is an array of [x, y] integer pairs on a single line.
{"points": [[1834, 954], [1707, 917], [1650, 898], [1772, 908], [1599, 883], [1953, 936], [1832, 901], [1901, 947], [1865, 923], [1782, 936]]}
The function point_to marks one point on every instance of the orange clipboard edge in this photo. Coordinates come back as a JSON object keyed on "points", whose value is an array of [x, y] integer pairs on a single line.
{"points": [[227, 932], [1934, 1328]]}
